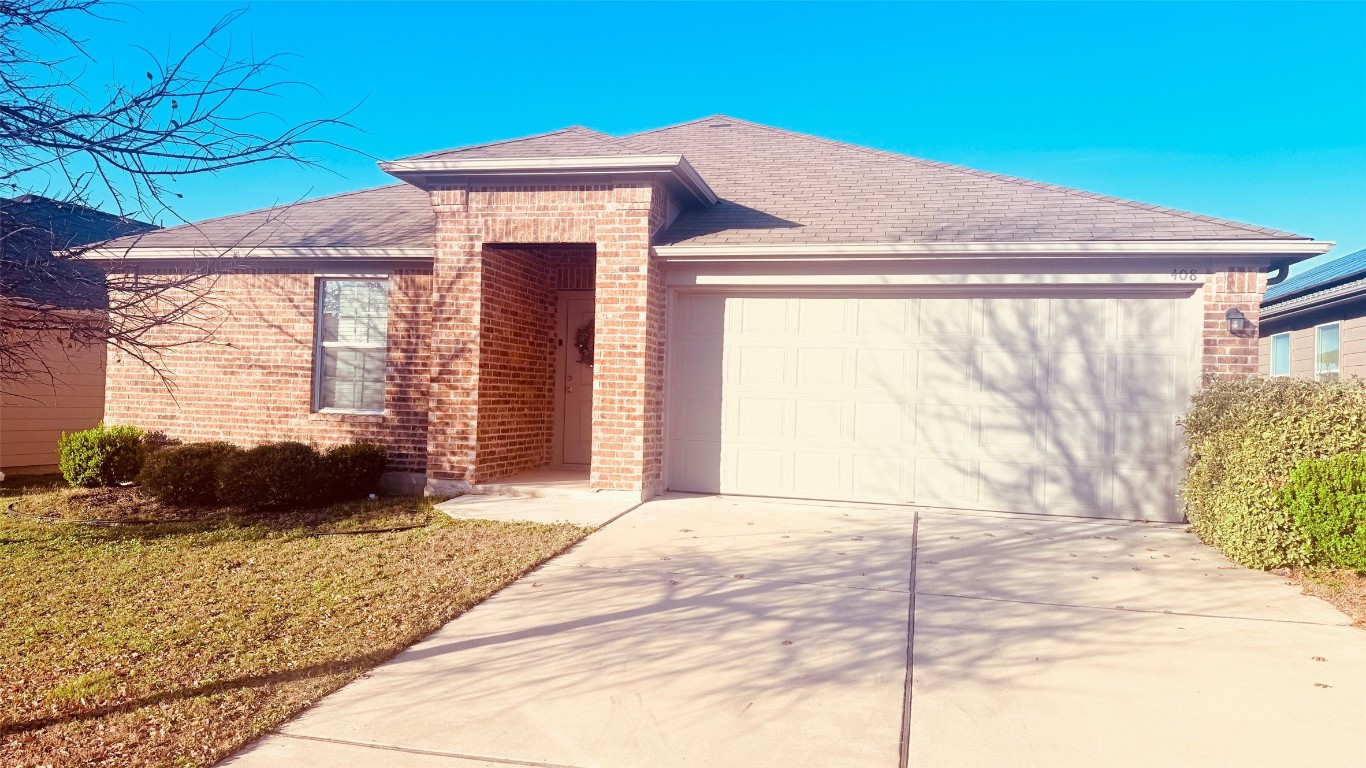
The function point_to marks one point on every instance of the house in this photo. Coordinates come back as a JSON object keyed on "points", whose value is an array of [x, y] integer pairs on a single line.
{"points": [[721, 306], [1314, 324], [63, 389]]}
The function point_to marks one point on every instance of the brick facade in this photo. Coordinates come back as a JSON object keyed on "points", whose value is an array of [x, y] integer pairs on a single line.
{"points": [[255, 384], [473, 436], [1224, 355]]}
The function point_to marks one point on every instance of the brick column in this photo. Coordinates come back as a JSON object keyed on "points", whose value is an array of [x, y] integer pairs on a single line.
{"points": [[457, 276], [1225, 355], [628, 373]]}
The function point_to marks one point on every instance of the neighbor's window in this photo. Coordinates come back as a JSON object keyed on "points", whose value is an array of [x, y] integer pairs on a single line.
{"points": [[1326, 352], [353, 319], [1280, 354]]}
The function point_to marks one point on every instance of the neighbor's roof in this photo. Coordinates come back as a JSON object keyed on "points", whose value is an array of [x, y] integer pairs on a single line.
{"points": [[32, 227], [776, 187], [1344, 269]]}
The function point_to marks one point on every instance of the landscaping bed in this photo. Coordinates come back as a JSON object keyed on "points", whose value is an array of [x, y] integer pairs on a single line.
{"points": [[153, 643], [1343, 588]]}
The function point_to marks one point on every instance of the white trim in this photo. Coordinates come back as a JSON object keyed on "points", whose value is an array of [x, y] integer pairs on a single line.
{"points": [[1001, 249], [1317, 350], [599, 163], [674, 165], [141, 253], [1271, 354]]}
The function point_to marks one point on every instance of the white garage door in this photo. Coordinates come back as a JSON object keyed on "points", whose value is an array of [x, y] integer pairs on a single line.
{"points": [[1054, 404]]}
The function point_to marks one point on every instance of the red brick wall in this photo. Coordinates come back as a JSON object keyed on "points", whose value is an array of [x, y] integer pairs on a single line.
{"points": [[255, 384], [628, 405], [1225, 355], [516, 363]]}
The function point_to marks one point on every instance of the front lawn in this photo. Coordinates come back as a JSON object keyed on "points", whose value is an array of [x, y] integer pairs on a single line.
{"points": [[176, 643]]}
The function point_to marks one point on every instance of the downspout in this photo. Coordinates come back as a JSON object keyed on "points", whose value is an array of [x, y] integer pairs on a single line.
{"points": [[1282, 272]]}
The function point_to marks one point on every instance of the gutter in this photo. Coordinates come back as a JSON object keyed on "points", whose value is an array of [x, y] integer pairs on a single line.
{"points": [[1299, 249], [147, 253]]}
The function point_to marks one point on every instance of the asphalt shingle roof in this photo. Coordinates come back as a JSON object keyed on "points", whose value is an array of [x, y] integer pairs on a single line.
{"points": [[394, 216], [1340, 270], [775, 186]]}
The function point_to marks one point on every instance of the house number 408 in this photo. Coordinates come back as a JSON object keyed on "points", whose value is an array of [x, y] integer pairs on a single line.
{"points": [[1185, 274]]}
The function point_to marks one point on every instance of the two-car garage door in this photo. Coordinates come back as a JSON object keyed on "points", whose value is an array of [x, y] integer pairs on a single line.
{"points": [[1063, 404]]}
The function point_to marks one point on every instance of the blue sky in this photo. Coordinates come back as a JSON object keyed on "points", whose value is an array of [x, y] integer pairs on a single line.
{"points": [[1255, 112]]}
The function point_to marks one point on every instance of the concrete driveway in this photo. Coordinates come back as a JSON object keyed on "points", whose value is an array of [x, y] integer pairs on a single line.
{"points": [[739, 632]]}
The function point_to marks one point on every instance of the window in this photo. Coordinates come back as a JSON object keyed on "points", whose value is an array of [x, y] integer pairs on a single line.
{"points": [[1326, 352], [353, 320], [1280, 354]]}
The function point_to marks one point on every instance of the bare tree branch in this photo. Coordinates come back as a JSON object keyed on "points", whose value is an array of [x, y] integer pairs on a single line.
{"points": [[199, 112]]}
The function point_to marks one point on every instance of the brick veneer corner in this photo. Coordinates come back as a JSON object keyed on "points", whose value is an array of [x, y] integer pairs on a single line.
{"points": [[1224, 355]]}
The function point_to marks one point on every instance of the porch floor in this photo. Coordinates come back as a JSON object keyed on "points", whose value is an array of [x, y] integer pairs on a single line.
{"points": [[539, 483]]}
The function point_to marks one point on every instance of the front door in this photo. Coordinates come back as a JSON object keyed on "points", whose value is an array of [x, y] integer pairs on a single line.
{"points": [[576, 379]]}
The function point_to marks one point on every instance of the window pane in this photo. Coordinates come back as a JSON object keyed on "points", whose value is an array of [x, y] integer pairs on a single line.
{"points": [[1326, 352], [1280, 354], [355, 311], [353, 379]]}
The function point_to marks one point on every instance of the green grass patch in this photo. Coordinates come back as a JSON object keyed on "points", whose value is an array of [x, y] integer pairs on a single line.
{"points": [[177, 643]]}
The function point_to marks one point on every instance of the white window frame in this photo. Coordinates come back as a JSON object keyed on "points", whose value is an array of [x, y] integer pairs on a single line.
{"points": [[1318, 375], [1271, 350], [319, 345]]}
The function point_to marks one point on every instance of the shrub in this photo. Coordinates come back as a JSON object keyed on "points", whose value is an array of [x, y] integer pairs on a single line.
{"points": [[1327, 500], [185, 475], [101, 455], [1243, 439], [354, 470], [274, 476]]}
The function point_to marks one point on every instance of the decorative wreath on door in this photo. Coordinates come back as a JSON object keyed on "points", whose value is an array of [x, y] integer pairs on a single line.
{"points": [[583, 341]]}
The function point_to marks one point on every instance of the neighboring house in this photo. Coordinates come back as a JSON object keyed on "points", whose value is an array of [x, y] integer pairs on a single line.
{"points": [[720, 306], [1314, 324], [69, 394]]}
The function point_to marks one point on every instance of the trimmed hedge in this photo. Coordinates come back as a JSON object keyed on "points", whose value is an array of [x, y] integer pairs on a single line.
{"points": [[185, 475], [1327, 500], [274, 476], [1244, 438], [354, 470], [102, 455]]}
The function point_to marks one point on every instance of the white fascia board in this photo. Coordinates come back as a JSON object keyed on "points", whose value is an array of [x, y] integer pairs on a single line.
{"points": [[675, 166], [136, 253], [507, 165], [993, 250]]}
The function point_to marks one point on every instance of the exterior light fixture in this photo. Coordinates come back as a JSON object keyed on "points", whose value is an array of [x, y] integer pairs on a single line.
{"points": [[1238, 324]]}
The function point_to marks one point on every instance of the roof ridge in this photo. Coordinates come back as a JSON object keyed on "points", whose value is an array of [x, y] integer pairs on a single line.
{"points": [[565, 129], [998, 176]]}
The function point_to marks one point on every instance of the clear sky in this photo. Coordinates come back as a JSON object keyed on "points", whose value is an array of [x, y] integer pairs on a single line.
{"points": [[1254, 112]]}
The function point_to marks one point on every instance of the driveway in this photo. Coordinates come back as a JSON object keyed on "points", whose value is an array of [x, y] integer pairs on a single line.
{"points": [[703, 631]]}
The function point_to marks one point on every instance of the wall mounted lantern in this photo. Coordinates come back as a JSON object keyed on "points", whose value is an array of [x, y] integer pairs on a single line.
{"points": [[1238, 324]]}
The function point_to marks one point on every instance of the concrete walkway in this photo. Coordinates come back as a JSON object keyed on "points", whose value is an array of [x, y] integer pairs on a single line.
{"points": [[738, 632]]}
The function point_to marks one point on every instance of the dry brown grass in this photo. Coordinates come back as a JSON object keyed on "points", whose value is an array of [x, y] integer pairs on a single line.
{"points": [[175, 644], [1345, 589]]}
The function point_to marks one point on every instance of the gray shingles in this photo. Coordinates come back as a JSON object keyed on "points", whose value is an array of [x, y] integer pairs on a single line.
{"points": [[775, 186]]}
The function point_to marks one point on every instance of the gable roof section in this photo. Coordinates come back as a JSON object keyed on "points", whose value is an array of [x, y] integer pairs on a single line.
{"points": [[776, 188], [1341, 270], [783, 187]]}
